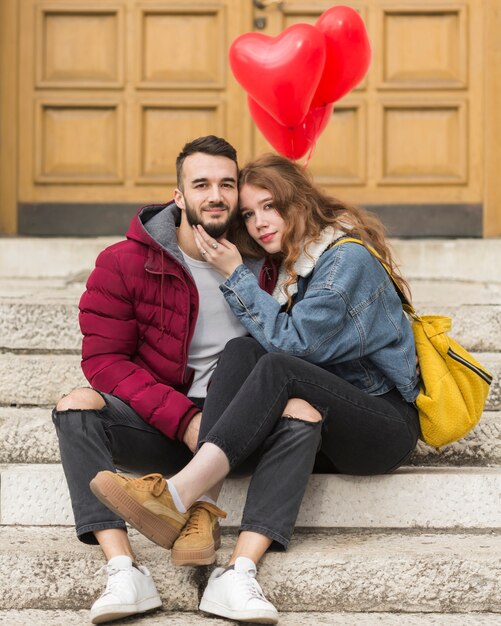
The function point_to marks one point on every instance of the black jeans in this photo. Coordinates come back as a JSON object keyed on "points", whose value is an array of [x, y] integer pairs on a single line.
{"points": [[360, 434], [113, 437], [242, 415], [117, 437]]}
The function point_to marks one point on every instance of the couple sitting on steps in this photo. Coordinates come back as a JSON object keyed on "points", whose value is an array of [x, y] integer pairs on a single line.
{"points": [[311, 361]]}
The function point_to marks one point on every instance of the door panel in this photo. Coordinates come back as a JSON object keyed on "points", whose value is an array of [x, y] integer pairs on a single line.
{"points": [[79, 48]]}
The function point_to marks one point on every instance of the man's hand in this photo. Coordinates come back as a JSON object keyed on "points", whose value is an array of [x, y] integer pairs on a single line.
{"points": [[191, 433]]}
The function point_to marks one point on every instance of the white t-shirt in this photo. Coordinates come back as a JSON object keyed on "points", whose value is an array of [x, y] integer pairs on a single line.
{"points": [[215, 326]]}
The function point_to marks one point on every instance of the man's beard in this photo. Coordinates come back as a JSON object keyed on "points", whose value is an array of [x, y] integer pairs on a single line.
{"points": [[212, 228]]}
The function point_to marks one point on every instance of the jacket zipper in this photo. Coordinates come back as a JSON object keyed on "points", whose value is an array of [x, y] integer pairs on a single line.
{"points": [[484, 375], [186, 346]]}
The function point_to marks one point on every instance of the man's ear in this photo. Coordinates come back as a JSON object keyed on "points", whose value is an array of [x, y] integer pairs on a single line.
{"points": [[179, 198]]}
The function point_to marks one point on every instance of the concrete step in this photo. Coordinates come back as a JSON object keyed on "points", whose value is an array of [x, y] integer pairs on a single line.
{"points": [[481, 447], [43, 314], [464, 259], [39, 315], [412, 497], [55, 329], [38, 379], [28, 436], [23, 257], [335, 571], [35, 617], [428, 295], [41, 379], [450, 259]]}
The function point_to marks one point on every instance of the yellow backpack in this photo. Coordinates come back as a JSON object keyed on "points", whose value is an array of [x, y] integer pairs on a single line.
{"points": [[454, 385]]}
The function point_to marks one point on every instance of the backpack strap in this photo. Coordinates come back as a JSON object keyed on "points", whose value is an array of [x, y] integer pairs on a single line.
{"points": [[407, 306]]}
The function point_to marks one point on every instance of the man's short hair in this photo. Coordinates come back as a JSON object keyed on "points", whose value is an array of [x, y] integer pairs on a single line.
{"points": [[215, 146]]}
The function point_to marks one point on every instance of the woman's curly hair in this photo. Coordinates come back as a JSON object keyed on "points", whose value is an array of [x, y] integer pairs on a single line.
{"points": [[297, 198]]}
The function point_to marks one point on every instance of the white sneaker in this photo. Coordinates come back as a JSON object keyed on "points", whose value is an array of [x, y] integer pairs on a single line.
{"points": [[236, 594], [129, 590]]}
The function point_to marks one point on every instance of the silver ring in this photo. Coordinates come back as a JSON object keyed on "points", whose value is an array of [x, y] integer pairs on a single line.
{"points": [[214, 245], [204, 252]]}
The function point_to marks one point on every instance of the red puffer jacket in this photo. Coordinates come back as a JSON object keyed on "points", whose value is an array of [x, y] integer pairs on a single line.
{"points": [[138, 316]]}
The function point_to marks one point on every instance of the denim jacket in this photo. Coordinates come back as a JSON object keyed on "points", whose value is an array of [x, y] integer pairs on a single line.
{"points": [[346, 317]]}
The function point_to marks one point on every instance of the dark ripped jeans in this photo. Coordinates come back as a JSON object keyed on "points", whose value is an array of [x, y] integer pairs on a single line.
{"points": [[359, 434], [242, 414]]}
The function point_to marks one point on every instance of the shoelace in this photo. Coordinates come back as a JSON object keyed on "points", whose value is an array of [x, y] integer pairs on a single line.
{"points": [[193, 525], [117, 578], [248, 583], [152, 482]]}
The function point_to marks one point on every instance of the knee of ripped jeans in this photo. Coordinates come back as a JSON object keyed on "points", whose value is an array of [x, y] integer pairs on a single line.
{"points": [[81, 399], [298, 409]]}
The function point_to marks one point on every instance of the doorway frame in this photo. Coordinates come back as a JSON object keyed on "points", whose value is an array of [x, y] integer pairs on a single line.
{"points": [[9, 59]]}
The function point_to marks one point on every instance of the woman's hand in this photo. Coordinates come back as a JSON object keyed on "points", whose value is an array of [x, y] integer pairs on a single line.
{"points": [[220, 253]]}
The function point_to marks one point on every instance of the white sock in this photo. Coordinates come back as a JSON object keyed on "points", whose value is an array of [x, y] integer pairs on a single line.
{"points": [[176, 498], [207, 499], [122, 560]]}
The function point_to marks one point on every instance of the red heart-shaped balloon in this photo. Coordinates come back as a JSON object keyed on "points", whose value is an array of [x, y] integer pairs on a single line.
{"points": [[291, 142], [280, 73], [348, 53]]}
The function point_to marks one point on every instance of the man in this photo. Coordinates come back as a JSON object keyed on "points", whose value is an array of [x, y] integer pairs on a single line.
{"points": [[154, 324]]}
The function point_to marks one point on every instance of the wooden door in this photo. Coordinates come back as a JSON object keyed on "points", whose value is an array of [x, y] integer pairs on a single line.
{"points": [[409, 141], [110, 91], [97, 98]]}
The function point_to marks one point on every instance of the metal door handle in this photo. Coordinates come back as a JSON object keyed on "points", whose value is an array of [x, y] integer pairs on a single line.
{"points": [[264, 4]]}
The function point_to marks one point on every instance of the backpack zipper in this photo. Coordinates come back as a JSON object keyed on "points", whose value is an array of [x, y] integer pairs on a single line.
{"points": [[484, 375]]}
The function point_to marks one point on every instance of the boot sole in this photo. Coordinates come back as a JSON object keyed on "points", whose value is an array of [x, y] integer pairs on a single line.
{"points": [[255, 617], [202, 556], [120, 502]]}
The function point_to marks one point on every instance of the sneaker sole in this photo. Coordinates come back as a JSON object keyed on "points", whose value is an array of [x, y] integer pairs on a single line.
{"points": [[118, 611], [203, 556], [256, 617], [120, 502]]}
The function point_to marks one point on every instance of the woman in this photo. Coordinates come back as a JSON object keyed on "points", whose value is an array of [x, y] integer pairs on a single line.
{"points": [[329, 331]]}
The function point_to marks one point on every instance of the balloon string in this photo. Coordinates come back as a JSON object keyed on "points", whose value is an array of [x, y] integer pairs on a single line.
{"points": [[314, 144], [310, 154]]}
